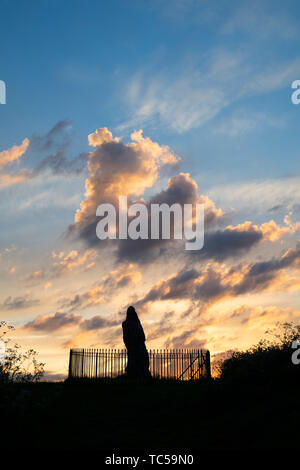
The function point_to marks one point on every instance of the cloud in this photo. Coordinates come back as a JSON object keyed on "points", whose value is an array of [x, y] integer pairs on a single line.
{"points": [[177, 286], [35, 277], [112, 174], [129, 169], [185, 340], [272, 78], [261, 19], [196, 94], [110, 284], [258, 196], [58, 136], [181, 189], [267, 274], [51, 149], [241, 123], [257, 316], [7, 179], [180, 103], [71, 261], [53, 322], [215, 281], [19, 302], [58, 163], [289, 258], [7, 157], [117, 169], [272, 231], [62, 263], [60, 320], [234, 240], [97, 322]]}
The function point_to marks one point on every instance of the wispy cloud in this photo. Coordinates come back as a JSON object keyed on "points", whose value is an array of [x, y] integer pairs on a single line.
{"points": [[51, 149], [19, 302], [198, 93], [258, 196], [240, 123]]}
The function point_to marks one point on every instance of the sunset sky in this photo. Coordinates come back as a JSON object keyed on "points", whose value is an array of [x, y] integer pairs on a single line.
{"points": [[179, 101]]}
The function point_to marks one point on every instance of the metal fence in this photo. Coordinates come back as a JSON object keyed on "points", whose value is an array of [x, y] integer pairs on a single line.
{"points": [[180, 364]]}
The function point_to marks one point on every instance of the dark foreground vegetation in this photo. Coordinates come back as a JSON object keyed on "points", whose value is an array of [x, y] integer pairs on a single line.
{"points": [[253, 404]]}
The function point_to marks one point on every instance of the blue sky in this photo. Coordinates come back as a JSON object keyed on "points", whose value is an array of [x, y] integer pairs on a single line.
{"points": [[209, 80], [66, 60]]}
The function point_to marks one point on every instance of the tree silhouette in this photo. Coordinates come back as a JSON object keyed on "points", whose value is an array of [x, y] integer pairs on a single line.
{"points": [[16, 365]]}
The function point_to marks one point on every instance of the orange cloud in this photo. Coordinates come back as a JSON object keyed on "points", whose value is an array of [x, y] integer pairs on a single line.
{"points": [[8, 179], [14, 153], [72, 260], [274, 232], [120, 278]]}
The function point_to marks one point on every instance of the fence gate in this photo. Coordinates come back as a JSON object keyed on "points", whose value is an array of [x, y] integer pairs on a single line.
{"points": [[180, 364]]}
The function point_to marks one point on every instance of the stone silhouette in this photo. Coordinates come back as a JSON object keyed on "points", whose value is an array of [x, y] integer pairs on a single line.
{"points": [[134, 340]]}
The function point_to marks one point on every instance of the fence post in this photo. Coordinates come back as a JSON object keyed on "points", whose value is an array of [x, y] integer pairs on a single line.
{"points": [[70, 364], [208, 369]]}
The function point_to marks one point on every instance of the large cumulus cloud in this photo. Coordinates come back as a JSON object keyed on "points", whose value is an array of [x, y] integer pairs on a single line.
{"points": [[117, 169], [129, 169]]}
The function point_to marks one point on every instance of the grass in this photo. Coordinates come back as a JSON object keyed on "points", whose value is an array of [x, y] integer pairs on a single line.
{"points": [[254, 404], [116, 415]]}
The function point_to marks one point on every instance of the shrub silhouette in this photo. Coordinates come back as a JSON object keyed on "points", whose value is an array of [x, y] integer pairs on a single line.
{"points": [[267, 361], [18, 366]]}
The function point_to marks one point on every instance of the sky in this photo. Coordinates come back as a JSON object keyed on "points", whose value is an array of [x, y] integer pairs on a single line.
{"points": [[177, 101]]}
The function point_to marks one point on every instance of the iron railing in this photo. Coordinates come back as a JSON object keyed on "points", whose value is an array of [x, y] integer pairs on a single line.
{"points": [[180, 364]]}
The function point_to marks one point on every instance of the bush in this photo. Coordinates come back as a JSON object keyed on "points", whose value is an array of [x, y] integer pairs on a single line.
{"points": [[267, 361], [18, 366]]}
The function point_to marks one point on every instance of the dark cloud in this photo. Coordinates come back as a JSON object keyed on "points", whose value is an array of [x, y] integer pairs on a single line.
{"points": [[19, 302], [120, 169], [181, 341], [53, 322], [58, 136], [214, 283], [211, 287], [117, 169], [182, 189], [164, 326], [51, 149], [97, 322], [263, 273], [227, 243], [60, 320], [58, 163], [276, 208], [177, 287]]}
